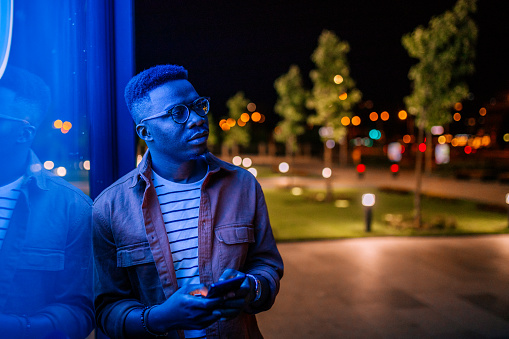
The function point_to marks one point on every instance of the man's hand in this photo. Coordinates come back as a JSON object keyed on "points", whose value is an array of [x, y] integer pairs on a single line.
{"points": [[186, 309], [236, 301]]}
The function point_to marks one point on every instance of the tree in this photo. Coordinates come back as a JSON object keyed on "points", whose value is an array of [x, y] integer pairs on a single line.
{"points": [[445, 50], [236, 135], [291, 107], [334, 93]]}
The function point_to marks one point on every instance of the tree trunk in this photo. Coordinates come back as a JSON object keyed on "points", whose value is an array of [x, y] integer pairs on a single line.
{"points": [[343, 152], [428, 164], [418, 181], [327, 160]]}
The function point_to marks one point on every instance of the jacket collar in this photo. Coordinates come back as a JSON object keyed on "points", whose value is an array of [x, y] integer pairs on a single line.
{"points": [[144, 169], [34, 172]]}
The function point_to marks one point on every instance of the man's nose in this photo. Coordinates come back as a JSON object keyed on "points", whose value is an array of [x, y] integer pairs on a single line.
{"points": [[196, 119]]}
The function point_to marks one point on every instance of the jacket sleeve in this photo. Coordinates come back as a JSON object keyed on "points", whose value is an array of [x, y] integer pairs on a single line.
{"points": [[72, 311], [113, 294], [263, 257]]}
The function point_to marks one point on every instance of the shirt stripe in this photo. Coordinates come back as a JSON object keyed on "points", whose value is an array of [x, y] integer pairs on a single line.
{"points": [[8, 197], [180, 207]]}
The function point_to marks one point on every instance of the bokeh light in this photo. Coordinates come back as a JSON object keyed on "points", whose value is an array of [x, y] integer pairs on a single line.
{"points": [[58, 124], [251, 107], [482, 111], [49, 165], [61, 171], [247, 162], [244, 117], [237, 160], [330, 144], [384, 115], [456, 116], [422, 147], [326, 173], [356, 121], [256, 117], [402, 114], [368, 199], [338, 79], [345, 121], [458, 106], [343, 96], [297, 191], [86, 165], [373, 116], [253, 171], [284, 167]]}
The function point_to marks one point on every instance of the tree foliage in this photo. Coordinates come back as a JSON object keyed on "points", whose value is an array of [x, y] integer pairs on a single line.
{"points": [[290, 106], [330, 59], [237, 135], [445, 50]]}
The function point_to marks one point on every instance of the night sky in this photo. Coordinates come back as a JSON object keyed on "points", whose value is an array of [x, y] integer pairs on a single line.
{"points": [[245, 45]]}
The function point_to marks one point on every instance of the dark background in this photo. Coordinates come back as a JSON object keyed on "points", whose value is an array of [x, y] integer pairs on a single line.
{"points": [[245, 45]]}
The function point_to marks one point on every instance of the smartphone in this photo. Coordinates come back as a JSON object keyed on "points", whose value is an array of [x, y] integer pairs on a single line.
{"points": [[221, 288]]}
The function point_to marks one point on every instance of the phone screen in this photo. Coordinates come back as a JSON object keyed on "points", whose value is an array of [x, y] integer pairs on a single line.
{"points": [[221, 288]]}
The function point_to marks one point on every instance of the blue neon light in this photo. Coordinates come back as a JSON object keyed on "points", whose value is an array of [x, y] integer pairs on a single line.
{"points": [[6, 12]]}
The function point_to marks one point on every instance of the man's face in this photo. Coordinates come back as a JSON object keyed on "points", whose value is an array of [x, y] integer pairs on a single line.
{"points": [[11, 129], [178, 142]]}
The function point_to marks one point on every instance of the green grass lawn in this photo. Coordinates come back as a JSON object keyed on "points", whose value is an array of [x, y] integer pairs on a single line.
{"points": [[308, 216]]}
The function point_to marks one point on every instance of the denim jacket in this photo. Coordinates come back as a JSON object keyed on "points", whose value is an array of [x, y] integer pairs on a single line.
{"points": [[133, 262], [46, 257]]}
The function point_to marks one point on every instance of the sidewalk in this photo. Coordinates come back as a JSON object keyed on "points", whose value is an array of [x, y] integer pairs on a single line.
{"points": [[392, 288]]}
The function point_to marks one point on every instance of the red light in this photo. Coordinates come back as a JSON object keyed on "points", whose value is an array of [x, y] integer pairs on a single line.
{"points": [[394, 168], [361, 168], [468, 149], [402, 149], [422, 147]]}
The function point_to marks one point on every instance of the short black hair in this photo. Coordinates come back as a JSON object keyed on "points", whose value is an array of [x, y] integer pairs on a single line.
{"points": [[138, 87], [29, 88]]}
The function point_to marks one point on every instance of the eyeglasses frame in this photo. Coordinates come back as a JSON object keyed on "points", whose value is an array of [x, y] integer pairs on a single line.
{"points": [[167, 112]]}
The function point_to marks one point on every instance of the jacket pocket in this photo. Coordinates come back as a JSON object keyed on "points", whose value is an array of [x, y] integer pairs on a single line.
{"points": [[233, 245], [42, 259], [235, 234], [132, 255]]}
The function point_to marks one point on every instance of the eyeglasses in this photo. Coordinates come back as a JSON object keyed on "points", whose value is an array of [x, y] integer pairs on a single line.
{"points": [[181, 112], [7, 117]]}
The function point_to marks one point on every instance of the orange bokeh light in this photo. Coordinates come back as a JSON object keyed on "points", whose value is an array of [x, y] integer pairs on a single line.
{"points": [[244, 117], [256, 116], [384, 115], [373, 116], [343, 96]]}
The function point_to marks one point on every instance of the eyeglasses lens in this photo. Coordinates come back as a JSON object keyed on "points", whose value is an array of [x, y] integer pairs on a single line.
{"points": [[180, 113]]}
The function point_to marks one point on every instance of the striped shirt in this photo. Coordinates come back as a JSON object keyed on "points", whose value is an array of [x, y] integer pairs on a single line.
{"points": [[180, 206], [8, 197]]}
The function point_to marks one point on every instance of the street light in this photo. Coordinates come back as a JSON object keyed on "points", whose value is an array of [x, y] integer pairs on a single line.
{"points": [[368, 201]]}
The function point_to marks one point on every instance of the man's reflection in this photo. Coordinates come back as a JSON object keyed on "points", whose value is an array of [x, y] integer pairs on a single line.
{"points": [[45, 245]]}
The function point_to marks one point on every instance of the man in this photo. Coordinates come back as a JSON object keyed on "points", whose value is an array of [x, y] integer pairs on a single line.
{"points": [[45, 227], [179, 222]]}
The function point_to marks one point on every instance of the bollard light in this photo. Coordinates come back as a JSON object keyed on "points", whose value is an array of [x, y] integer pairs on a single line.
{"points": [[284, 167], [507, 202], [368, 201]]}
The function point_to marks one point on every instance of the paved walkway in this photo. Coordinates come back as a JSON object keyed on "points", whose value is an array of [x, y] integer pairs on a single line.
{"points": [[393, 288], [454, 287]]}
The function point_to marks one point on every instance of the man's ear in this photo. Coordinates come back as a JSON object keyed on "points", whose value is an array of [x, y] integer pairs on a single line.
{"points": [[143, 133], [27, 134]]}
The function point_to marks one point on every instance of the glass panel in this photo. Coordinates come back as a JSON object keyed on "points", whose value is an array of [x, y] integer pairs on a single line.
{"points": [[50, 42]]}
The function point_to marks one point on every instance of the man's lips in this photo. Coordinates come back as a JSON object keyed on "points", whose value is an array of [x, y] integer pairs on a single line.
{"points": [[199, 135]]}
